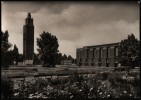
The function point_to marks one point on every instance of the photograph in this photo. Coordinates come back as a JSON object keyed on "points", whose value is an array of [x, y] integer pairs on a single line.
{"points": [[70, 49]]}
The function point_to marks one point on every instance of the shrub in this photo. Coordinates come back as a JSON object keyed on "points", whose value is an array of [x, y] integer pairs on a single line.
{"points": [[98, 85], [6, 87]]}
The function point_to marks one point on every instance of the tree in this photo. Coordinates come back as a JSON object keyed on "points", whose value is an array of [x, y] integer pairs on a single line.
{"points": [[36, 59], [16, 54], [64, 57], [20, 58], [9, 55], [59, 58], [70, 58], [129, 52], [48, 49], [5, 45], [74, 60]]}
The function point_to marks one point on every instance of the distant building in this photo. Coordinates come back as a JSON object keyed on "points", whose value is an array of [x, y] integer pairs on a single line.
{"points": [[66, 62], [20, 63], [98, 55], [28, 40]]}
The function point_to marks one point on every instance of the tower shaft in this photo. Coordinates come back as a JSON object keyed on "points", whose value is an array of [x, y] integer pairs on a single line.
{"points": [[28, 40]]}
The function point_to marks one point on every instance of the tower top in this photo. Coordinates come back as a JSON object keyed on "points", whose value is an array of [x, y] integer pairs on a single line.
{"points": [[29, 20], [29, 15]]}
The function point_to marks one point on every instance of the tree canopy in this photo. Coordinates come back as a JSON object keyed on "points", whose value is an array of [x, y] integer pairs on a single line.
{"points": [[36, 59], [129, 51], [8, 56], [5, 45], [48, 48], [64, 57], [70, 58], [16, 54]]}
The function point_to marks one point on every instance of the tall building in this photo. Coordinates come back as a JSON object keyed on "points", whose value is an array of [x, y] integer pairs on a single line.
{"points": [[28, 40], [105, 55]]}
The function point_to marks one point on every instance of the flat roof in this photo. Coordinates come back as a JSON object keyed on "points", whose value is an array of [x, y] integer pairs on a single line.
{"points": [[102, 45], [109, 44]]}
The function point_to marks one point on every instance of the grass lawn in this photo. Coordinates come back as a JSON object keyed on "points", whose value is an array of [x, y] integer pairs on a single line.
{"points": [[61, 70]]}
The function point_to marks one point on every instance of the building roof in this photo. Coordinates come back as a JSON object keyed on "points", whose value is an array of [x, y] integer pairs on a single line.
{"points": [[109, 44], [102, 45]]}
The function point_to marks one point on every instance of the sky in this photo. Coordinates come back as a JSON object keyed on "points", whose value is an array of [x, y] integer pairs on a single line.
{"points": [[75, 24]]}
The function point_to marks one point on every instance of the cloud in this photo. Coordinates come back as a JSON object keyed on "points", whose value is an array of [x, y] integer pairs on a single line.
{"points": [[34, 6], [108, 33], [67, 47], [76, 24]]}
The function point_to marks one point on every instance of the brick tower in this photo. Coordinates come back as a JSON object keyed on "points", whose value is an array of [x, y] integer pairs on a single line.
{"points": [[28, 40]]}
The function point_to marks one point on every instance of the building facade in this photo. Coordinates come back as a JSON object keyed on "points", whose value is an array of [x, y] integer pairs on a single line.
{"points": [[98, 55], [66, 62], [28, 40]]}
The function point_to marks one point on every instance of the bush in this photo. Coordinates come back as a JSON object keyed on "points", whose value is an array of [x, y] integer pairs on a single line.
{"points": [[6, 87], [99, 85]]}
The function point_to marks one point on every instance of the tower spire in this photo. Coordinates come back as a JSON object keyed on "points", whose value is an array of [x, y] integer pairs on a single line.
{"points": [[29, 15], [29, 20]]}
